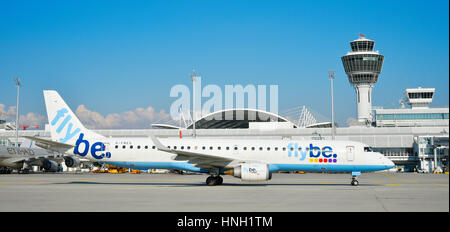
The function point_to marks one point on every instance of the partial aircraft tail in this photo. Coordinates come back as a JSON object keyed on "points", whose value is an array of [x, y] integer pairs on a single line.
{"points": [[65, 127]]}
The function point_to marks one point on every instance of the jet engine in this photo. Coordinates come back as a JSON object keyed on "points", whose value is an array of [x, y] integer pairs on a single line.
{"points": [[72, 161], [251, 172], [50, 165]]}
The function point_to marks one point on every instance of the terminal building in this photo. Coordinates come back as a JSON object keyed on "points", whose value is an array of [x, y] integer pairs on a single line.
{"points": [[419, 113], [414, 137]]}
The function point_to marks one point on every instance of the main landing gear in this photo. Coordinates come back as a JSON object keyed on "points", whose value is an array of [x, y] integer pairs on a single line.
{"points": [[214, 180], [354, 178]]}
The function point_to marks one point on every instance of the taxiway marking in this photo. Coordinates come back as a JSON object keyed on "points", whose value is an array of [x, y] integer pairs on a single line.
{"points": [[395, 178], [393, 184], [443, 185]]}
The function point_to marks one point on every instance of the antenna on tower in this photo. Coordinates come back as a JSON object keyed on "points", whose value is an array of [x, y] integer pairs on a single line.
{"points": [[402, 103]]}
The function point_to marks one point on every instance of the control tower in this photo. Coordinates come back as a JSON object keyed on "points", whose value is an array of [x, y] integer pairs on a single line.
{"points": [[420, 97], [362, 66]]}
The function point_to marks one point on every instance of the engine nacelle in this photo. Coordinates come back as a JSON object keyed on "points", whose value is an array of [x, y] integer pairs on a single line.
{"points": [[71, 161], [252, 172], [50, 165]]}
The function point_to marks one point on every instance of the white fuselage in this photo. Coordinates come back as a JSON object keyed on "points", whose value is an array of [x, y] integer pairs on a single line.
{"points": [[285, 155]]}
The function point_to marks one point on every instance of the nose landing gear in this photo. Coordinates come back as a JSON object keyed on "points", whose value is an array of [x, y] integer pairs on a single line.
{"points": [[354, 178]]}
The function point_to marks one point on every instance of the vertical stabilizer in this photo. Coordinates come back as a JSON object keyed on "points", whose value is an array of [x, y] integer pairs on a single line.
{"points": [[65, 127]]}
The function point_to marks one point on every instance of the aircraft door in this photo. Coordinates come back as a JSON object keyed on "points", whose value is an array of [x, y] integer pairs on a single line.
{"points": [[350, 153]]}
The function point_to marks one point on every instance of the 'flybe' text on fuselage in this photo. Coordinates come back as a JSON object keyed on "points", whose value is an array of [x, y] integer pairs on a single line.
{"points": [[316, 154]]}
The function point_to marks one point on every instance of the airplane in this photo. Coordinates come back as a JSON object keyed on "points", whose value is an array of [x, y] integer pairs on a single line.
{"points": [[247, 159], [23, 158]]}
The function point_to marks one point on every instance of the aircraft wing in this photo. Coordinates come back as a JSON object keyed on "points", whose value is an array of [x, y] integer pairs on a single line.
{"points": [[14, 160], [198, 159], [50, 145], [31, 160]]}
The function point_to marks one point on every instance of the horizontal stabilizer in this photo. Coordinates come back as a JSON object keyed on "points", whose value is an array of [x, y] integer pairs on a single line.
{"points": [[49, 144]]}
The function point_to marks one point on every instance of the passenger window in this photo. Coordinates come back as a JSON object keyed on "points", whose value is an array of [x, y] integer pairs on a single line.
{"points": [[117, 146], [284, 149], [131, 147], [276, 148], [268, 148], [138, 147], [188, 147], [174, 147], [228, 148], [260, 148], [203, 148], [245, 148], [218, 148], [182, 147], [153, 147], [210, 148], [253, 148], [123, 147]]}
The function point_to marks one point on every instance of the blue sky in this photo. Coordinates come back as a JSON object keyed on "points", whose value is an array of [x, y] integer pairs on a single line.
{"points": [[116, 56]]}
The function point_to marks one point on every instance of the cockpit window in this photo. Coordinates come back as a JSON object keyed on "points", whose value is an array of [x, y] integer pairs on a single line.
{"points": [[368, 149]]}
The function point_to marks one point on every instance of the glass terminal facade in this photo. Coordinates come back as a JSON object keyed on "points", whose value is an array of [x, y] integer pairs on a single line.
{"points": [[412, 116]]}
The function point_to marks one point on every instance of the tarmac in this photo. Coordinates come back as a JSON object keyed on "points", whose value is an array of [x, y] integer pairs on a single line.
{"points": [[310, 192]]}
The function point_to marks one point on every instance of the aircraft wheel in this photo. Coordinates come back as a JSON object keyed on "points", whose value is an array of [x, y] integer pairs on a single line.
{"points": [[355, 183], [24, 171], [211, 181], [214, 180], [219, 180]]}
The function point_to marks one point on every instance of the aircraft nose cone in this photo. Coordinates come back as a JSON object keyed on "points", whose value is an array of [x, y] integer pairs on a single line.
{"points": [[389, 163]]}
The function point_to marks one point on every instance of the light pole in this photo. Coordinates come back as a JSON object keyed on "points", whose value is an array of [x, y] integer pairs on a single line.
{"points": [[194, 79], [17, 81], [331, 77]]}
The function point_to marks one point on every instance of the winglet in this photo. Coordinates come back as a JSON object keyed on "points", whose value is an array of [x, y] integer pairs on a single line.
{"points": [[158, 144]]}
